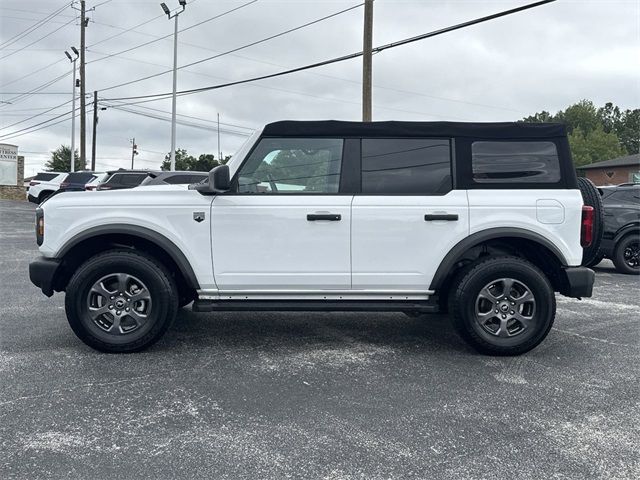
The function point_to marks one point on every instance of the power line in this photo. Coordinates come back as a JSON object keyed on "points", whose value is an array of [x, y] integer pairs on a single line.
{"points": [[31, 73], [191, 117], [34, 116], [33, 27], [160, 96], [242, 47], [41, 38], [180, 122], [171, 34]]}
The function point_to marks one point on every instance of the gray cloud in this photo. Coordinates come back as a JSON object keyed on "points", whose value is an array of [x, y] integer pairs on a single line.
{"points": [[546, 58]]}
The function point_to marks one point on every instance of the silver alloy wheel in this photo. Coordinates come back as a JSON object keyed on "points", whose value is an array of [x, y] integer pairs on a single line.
{"points": [[505, 308], [631, 255], [119, 303]]}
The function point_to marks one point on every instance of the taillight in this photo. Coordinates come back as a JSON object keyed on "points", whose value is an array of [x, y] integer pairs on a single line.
{"points": [[64, 185], [586, 230], [33, 184], [90, 187], [39, 226]]}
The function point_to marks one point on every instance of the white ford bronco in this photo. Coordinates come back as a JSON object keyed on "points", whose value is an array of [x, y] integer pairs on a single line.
{"points": [[485, 221]]}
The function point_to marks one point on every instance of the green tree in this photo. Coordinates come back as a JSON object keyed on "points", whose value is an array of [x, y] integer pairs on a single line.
{"points": [[60, 160], [183, 160], [596, 134], [203, 163], [594, 146]]}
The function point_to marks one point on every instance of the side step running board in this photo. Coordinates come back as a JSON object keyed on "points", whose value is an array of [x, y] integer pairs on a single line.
{"points": [[312, 305]]}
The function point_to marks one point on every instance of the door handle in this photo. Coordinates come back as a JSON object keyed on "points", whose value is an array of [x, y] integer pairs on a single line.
{"points": [[332, 217], [449, 217]]}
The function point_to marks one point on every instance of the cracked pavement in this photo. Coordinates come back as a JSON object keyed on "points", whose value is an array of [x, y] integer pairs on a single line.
{"points": [[314, 395]]}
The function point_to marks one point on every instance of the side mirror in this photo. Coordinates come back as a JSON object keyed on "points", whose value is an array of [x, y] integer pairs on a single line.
{"points": [[219, 181]]}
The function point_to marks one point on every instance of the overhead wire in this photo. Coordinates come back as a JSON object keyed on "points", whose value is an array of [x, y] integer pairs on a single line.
{"points": [[33, 27], [242, 47], [342, 58]]}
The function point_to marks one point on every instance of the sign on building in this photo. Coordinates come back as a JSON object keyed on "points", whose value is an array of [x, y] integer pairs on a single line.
{"points": [[8, 164]]}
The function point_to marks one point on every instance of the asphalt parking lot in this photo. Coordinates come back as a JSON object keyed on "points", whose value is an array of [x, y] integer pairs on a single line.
{"points": [[331, 396]]}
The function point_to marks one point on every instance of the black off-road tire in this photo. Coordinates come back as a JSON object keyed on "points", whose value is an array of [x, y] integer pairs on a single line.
{"points": [[631, 241], [158, 282], [596, 260], [592, 198], [464, 297]]}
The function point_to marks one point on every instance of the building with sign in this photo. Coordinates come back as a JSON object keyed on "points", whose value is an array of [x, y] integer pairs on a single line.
{"points": [[11, 172]]}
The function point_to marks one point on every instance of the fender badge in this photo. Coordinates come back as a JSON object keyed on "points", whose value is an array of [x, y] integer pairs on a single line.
{"points": [[198, 216]]}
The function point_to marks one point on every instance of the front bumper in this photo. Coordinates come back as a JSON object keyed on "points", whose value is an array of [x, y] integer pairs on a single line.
{"points": [[42, 273], [579, 282]]}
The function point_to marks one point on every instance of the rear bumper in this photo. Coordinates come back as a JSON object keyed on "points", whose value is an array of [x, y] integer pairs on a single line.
{"points": [[42, 273], [31, 198], [579, 283]]}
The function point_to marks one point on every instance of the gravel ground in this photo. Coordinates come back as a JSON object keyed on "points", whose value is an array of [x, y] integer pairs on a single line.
{"points": [[314, 395]]}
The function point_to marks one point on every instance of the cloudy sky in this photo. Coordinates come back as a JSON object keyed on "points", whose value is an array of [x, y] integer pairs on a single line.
{"points": [[545, 58]]}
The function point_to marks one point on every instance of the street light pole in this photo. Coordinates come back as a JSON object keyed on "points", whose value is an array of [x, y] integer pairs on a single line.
{"points": [[73, 107], [183, 4]]}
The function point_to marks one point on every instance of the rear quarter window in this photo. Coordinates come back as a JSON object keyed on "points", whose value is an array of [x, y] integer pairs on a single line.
{"points": [[515, 162], [44, 177]]}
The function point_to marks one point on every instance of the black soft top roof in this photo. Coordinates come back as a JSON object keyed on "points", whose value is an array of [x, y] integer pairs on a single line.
{"points": [[335, 128]]}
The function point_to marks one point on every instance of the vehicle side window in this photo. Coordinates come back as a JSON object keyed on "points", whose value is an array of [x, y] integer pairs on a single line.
{"points": [[127, 179], [178, 179], [292, 166], [515, 162], [406, 165], [44, 177]]}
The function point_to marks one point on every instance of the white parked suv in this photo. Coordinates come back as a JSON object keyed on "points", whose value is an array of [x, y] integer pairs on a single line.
{"points": [[485, 221], [43, 185]]}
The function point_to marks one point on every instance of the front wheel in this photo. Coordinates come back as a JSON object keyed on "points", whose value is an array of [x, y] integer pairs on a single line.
{"points": [[502, 306], [121, 301]]}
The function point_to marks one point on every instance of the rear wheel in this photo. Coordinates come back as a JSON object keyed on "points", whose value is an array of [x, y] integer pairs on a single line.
{"points": [[596, 260], [502, 306], [592, 198], [626, 256], [121, 301]]}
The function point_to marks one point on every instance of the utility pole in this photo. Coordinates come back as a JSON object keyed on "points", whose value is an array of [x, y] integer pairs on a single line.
{"points": [[83, 119], [183, 4], [95, 125], [134, 151], [367, 60], [73, 107], [219, 147]]}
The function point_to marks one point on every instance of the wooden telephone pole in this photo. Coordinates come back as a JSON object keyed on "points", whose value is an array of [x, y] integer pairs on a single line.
{"points": [[367, 61], [95, 128]]}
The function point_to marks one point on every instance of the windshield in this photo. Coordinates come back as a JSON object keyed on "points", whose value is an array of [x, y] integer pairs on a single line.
{"points": [[242, 152]]}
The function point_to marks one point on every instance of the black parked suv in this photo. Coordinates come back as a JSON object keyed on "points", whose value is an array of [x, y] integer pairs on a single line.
{"points": [[621, 239], [121, 179], [174, 178]]}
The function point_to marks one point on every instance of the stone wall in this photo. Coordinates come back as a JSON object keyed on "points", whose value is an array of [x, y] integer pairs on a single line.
{"points": [[15, 192]]}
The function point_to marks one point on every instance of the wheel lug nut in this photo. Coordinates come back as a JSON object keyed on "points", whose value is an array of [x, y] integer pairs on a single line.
{"points": [[496, 310], [110, 307], [504, 316], [118, 312], [112, 297], [512, 312]]}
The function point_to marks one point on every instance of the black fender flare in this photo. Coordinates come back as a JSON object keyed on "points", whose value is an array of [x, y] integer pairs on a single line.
{"points": [[141, 232], [456, 253], [626, 230]]}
